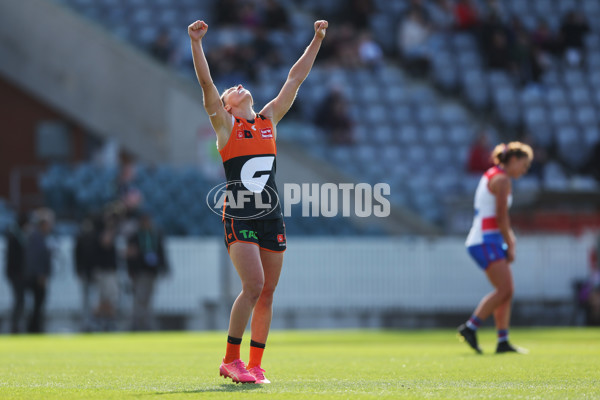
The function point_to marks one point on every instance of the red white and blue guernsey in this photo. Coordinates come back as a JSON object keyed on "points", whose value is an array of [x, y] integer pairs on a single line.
{"points": [[485, 242]]}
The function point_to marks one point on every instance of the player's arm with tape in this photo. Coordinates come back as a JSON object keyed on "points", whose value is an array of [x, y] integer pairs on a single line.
{"points": [[279, 106], [219, 118]]}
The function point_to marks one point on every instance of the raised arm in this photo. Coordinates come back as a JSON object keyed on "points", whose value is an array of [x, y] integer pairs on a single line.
{"points": [[219, 118], [280, 105]]}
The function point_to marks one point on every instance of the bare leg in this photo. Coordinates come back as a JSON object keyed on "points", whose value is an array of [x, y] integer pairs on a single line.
{"points": [[502, 315], [247, 262], [263, 312], [500, 277]]}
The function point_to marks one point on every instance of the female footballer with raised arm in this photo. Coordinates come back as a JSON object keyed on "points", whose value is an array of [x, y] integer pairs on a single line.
{"points": [[254, 228], [491, 241]]}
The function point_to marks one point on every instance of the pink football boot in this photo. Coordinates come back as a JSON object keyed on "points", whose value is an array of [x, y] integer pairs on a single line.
{"points": [[236, 370], [259, 374]]}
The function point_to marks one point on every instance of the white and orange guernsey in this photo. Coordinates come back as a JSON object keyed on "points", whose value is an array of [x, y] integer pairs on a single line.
{"points": [[485, 242]]}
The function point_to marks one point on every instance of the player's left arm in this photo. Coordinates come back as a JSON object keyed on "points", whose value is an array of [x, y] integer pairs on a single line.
{"points": [[501, 187], [279, 106]]}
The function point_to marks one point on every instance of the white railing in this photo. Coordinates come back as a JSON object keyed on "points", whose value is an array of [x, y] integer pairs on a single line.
{"points": [[330, 274]]}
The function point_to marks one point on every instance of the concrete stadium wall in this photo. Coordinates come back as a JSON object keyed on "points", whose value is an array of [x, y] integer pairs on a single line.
{"points": [[111, 88], [365, 277]]}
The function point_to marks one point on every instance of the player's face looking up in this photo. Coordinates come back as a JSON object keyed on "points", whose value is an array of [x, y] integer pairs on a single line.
{"points": [[235, 96]]}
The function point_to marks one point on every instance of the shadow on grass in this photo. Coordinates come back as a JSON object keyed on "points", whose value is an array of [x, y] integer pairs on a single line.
{"points": [[223, 388]]}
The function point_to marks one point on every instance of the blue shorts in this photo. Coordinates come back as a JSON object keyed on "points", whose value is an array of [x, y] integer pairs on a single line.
{"points": [[486, 253]]}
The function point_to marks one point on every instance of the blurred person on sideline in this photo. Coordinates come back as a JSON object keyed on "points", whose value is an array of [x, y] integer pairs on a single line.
{"points": [[86, 258], [491, 241], [15, 269], [146, 261], [589, 291], [246, 139], [594, 282], [479, 155], [129, 198], [127, 192], [105, 275], [38, 265]]}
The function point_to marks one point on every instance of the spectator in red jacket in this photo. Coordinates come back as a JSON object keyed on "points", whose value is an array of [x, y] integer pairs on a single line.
{"points": [[479, 155], [466, 15]]}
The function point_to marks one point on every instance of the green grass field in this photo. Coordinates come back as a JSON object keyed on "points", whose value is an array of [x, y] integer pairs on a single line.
{"points": [[562, 364]]}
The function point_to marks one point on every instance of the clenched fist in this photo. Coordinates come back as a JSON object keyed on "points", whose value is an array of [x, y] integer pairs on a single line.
{"points": [[320, 28], [197, 30]]}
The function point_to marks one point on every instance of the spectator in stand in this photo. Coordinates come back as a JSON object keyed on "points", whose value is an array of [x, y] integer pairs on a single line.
{"points": [[499, 53], [413, 38], [480, 159], [162, 48], [86, 256], [528, 65], [248, 16], [346, 54], [417, 5], [358, 13], [342, 49], [227, 12], [497, 7], [593, 165], [225, 61], [333, 117], [491, 26], [275, 16], [544, 39], [146, 260], [15, 269], [467, 17], [573, 30], [264, 55], [370, 52], [38, 260], [442, 15], [328, 50], [541, 157]]}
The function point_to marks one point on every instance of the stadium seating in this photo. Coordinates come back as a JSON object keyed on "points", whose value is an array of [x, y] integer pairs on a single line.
{"points": [[175, 197], [405, 132], [567, 99]]}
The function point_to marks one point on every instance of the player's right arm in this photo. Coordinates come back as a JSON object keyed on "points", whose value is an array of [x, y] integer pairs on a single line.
{"points": [[219, 117], [501, 188]]}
